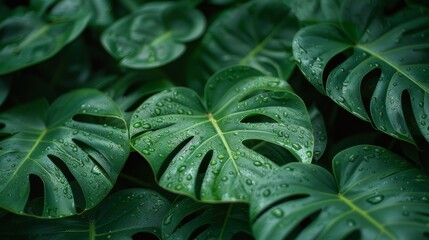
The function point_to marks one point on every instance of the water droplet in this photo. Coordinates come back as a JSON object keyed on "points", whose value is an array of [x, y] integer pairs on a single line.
{"points": [[375, 199], [137, 125], [189, 177], [224, 178], [249, 182], [96, 170], [350, 223], [159, 104], [257, 163], [157, 111], [146, 125], [167, 220], [178, 187], [289, 169], [221, 156], [296, 146], [181, 169], [278, 212], [266, 193], [352, 158]]}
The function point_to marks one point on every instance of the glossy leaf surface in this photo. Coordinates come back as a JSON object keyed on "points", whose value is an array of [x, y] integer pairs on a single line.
{"points": [[32, 37], [81, 137], [154, 35], [373, 194], [120, 216], [182, 135], [188, 219], [258, 34], [386, 60]]}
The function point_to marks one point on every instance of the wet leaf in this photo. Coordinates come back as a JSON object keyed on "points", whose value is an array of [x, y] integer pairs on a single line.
{"points": [[38, 34], [182, 135], [81, 137], [154, 35], [188, 219], [372, 194], [120, 216], [377, 60]]}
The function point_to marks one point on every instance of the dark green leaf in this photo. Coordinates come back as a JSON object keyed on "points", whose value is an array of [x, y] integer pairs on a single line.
{"points": [[373, 194], [101, 12], [81, 136], [188, 219], [4, 90], [154, 35], [387, 58], [120, 216], [313, 11], [258, 34], [175, 130], [319, 131], [35, 36]]}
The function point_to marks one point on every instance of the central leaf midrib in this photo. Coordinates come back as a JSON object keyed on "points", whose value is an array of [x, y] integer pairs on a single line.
{"points": [[262, 44], [393, 65], [366, 216], [225, 143], [36, 143]]}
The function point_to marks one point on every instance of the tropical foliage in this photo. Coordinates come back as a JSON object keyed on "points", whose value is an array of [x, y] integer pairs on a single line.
{"points": [[216, 119]]}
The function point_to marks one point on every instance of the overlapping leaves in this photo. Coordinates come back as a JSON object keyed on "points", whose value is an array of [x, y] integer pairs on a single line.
{"points": [[370, 48], [40, 32], [188, 219], [76, 147], [258, 34], [122, 215], [154, 35], [374, 194], [198, 147]]}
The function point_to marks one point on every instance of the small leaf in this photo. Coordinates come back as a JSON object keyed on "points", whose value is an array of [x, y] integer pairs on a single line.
{"points": [[81, 137], [258, 34], [182, 136], [373, 194], [378, 61], [120, 216], [154, 35], [188, 219], [35, 36]]}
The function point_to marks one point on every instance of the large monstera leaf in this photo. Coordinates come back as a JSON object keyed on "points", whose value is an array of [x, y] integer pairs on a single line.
{"points": [[188, 219], [197, 147], [123, 215], [40, 33], [76, 147], [373, 194], [258, 34], [389, 52], [154, 35]]}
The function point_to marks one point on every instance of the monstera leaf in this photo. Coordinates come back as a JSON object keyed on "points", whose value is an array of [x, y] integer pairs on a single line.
{"points": [[188, 219], [373, 194], [154, 35], [129, 90], [386, 60], [313, 11], [182, 135], [76, 147], [258, 34], [37, 35], [122, 215]]}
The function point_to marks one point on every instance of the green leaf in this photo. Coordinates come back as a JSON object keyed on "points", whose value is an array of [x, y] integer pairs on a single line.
{"points": [[182, 135], [314, 11], [37, 35], [120, 216], [4, 90], [319, 131], [101, 12], [373, 194], [76, 147], [391, 53], [188, 219], [129, 90], [154, 35], [258, 34]]}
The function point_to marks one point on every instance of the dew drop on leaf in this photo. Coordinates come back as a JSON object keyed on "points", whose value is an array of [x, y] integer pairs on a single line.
{"points": [[350, 223], [277, 213], [375, 199]]}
